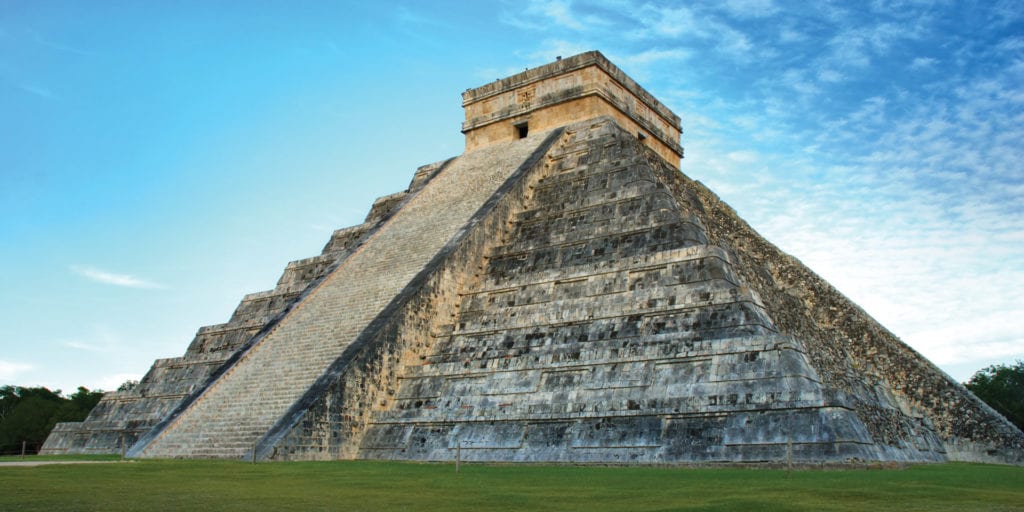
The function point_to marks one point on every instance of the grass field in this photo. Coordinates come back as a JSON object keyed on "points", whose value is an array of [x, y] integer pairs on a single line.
{"points": [[359, 485]]}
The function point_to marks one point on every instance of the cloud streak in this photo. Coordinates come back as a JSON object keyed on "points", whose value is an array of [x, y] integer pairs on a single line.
{"points": [[41, 92], [44, 41], [78, 345], [10, 371], [114, 381], [123, 280]]}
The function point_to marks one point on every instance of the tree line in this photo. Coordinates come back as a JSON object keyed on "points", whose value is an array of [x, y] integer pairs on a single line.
{"points": [[27, 415], [1002, 388]]}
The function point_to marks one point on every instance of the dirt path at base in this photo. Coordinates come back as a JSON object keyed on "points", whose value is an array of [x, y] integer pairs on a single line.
{"points": [[29, 463]]}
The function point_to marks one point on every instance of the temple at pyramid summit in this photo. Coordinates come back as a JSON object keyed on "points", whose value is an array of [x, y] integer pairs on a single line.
{"points": [[560, 292]]}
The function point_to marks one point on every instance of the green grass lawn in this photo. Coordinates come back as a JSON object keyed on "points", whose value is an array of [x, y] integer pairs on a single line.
{"points": [[359, 485]]}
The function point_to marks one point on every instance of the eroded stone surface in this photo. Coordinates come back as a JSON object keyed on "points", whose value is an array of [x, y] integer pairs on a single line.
{"points": [[902, 398], [122, 417], [615, 312], [584, 86], [605, 328], [567, 297], [240, 407]]}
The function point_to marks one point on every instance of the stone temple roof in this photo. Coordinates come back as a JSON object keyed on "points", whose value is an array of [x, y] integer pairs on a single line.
{"points": [[576, 88]]}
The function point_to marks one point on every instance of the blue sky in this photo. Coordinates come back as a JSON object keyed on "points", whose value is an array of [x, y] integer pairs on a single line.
{"points": [[161, 159]]}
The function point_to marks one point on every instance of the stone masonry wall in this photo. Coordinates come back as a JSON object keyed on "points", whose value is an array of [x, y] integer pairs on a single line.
{"points": [[571, 297], [605, 329], [122, 417], [274, 371], [555, 332], [898, 394], [365, 381], [576, 88]]}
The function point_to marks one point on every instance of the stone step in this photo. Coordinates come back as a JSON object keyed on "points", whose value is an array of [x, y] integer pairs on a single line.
{"points": [[278, 370]]}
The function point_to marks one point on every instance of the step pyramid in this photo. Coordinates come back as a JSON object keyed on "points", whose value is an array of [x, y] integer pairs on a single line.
{"points": [[122, 417], [561, 292]]}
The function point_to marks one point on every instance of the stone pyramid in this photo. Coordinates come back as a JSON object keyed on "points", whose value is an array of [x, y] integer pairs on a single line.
{"points": [[561, 292]]}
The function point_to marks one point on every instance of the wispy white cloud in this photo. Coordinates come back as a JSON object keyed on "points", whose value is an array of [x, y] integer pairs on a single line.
{"points": [[905, 195], [490, 74], [857, 45], [671, 22], [922, 229], [10, 371], [653, 56], [750, 8], [848, 50], [830, 76], [102, 276], [81, 345], [923, 63], [744, 157], [41, 92], [1011, 45], [639, 65], [1005, 12], [407, 16], [114, 381], [651, 24], [791, 35], [797, 80], [900, 256], [47, 42], [549, 49], [101, 338], [543, 14]]}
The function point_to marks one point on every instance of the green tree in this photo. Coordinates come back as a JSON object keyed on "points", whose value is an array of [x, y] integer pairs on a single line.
{"points": [[29, 414], [30, 421], [78, 405], [1002, 387], [11, 396], [8, 399]]}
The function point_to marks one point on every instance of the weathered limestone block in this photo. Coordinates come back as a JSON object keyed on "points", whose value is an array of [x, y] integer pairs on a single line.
{"points": [[603, 359], [573, 89], [330, 421], [216, 424], [904, 401], [122, 418], [551, 296]]}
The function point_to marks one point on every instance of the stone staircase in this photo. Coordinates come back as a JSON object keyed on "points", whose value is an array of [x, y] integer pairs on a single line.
{"points": [[606, 329], [230, 417], [123, 417]]}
